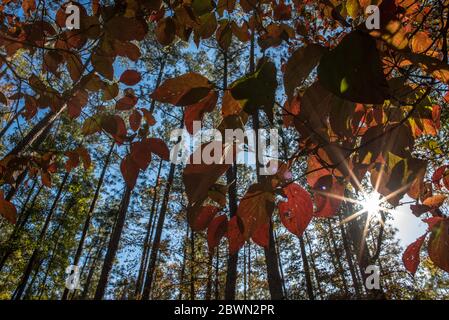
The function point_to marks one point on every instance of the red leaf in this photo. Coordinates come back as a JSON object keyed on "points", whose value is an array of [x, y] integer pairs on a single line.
{"points": [[130, 171], [438, 244], [7, 209], [195, 112], [148, 117], [327, 192], [297, 212], [410, 257], [216, 231], [438, 175], [184, 90], [76, 103], [204, 217], [73, 160], [130, 77], [85, 157], [126, 103], [159, 147], [141, 153], [261, 235], [135, 120], [235, 236]]}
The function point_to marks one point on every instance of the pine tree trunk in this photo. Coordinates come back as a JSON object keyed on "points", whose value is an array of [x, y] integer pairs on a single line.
{"points": [[91, 273], [337, 256], [157, 237], [305, 264], [29, 268], [192, 266], [146, 241], [348, 254], [184, 261], [113, 245], [89, 215], [315, 271]]}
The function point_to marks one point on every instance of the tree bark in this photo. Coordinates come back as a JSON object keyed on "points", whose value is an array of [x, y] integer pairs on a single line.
{"points": [[29, 268], [113, 245], [146, 241]]}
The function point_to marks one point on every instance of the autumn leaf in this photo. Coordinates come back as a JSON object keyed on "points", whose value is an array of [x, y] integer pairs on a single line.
{"points": [[438, 244], [159, 147], [195, 112], [130, 171], [261, 236], [135, 120], [216, 231], [299, 66], [235, 235], [7, 209], [257, 90], [410, 257], [353, 71], [297, 212], [130, 77], [255, 209], [184, 90], [203, 218], [199, 178]]}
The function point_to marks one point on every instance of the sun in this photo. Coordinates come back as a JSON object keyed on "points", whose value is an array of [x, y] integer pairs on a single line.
{"points": [[372, 204]]}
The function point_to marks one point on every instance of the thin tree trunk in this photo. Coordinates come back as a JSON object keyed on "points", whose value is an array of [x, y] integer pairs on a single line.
{"points": [[91, 272], [29, 268], [271, 260], [280, 264], [231, 179], [146, 241], [356, 232], [183, 266], [305, 264], [89, 215], [337, 256], [348, 254], [312, 260], [217, 273], [113, 245], [209, 277], [157, 237], [192, 266]]}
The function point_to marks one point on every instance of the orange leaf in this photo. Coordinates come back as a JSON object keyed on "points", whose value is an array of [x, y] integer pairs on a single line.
{"points": [[184, 90]]}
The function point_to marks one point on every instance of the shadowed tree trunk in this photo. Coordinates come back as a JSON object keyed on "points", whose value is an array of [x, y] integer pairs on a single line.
{"points": [[31, 262], [113, 245], [146, 241], [305, 264], [231, 177], [157, 237]]}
